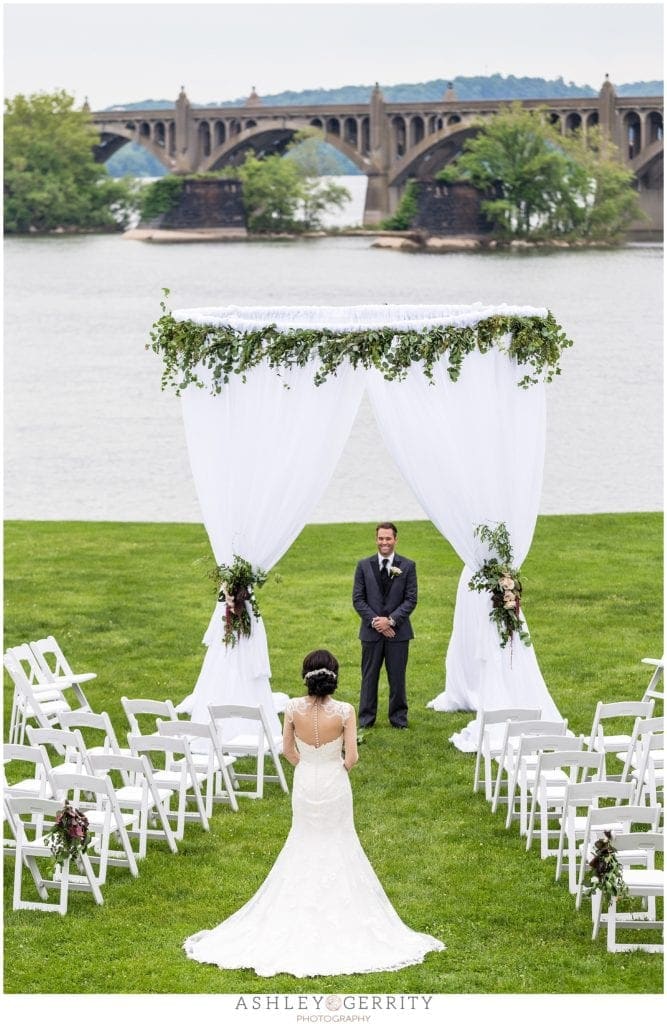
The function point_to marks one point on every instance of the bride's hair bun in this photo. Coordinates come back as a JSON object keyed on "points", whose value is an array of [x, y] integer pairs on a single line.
{"points": [[320, 673]]}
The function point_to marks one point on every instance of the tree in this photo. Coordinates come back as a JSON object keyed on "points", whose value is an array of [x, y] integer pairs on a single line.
{"points": [[403, 216], [314, 162], [286, 193], [609, 200], [541, 184], [272, 192], [51, 178]]}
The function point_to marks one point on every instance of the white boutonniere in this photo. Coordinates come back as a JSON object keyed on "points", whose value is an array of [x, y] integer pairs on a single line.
{"points": [[395, 571]]}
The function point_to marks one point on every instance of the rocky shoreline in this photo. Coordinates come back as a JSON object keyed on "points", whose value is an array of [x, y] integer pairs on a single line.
{"points": [[396, 241]]}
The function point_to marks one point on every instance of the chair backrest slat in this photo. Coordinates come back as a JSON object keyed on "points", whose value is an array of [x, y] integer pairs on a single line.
{"points": [[50, 646]]}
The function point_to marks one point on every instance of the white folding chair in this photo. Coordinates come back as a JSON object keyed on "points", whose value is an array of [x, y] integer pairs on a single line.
{"points": [[179, 775], [142, 796], [135, 707], [650, 772], [581, 796], [53, 663], [22, 811], [98, 723], [554, 772], [36, 784], [642, 879], [105, 819], [490, 737], [656, 684], [33, 699], [256, 742], [524, 768], [612, 741], [507, 756], [71, 742], [617, 820], [642, 729], [220, 776]]}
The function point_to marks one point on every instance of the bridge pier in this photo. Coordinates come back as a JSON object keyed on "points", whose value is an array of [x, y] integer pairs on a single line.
{"points": [[376, 207]]}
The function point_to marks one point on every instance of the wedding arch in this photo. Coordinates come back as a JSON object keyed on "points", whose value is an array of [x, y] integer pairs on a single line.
{"points": [[269, 396]]}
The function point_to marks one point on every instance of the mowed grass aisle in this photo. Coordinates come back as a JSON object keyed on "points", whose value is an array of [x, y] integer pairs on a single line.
{"points": [[130, 601]]}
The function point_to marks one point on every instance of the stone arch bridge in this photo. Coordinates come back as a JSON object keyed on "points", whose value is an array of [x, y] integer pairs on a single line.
{"points": [[388, 142]]}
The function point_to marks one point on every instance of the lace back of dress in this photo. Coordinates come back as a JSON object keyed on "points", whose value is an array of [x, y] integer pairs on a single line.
{"points": [[318, 722]]}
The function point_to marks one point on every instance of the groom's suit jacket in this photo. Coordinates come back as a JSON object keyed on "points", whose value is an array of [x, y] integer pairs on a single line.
{"points": [[399, 601]]}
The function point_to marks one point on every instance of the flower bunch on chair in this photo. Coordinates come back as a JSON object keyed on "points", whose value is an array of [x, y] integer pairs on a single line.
{"points": [[607, 876], [69, 835], [236, 584], [502, 580]]}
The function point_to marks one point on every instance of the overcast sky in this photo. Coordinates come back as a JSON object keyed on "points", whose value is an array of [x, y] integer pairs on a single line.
{"points": [[122, 52]]}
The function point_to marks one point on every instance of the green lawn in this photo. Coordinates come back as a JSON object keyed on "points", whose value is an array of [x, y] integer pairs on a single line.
{"points": [[131, 602]]}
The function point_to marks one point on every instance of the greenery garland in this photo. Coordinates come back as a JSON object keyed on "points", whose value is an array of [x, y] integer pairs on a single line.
{"points": [[535, 342], [502, 580]]}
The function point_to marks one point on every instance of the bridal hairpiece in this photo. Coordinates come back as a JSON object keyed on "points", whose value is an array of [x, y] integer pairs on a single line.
{"points": [[319, 671]]}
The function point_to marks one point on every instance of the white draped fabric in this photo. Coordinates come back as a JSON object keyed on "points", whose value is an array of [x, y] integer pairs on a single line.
{"points": [[261, 456], [472, 451]]}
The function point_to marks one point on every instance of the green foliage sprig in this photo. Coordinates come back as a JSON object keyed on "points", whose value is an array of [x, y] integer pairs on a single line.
{"points": [[187, 347], [502, 580], [235, 585], [69, 836], [607, 871]]}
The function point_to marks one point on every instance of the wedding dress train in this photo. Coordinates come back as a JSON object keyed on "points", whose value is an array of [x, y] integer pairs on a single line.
{"points": [[321, 910]]}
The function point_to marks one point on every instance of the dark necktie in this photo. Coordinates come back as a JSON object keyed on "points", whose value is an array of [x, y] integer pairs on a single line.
{"points": [[384, 575]]}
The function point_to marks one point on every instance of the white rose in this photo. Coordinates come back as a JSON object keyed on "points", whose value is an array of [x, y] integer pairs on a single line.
{"points": [[506, 582]]}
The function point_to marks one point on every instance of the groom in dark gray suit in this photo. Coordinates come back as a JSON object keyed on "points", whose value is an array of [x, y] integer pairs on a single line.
{"points": [[384, 595]]}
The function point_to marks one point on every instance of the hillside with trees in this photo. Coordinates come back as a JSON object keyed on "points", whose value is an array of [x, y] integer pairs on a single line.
{"points": [[474, 87]]}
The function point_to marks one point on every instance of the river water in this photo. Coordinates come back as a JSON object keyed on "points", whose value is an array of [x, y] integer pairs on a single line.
{"points": [[89, 434]]}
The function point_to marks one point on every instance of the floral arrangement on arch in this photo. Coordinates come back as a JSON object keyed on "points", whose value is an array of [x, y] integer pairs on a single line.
{"points": [[236, 585], [502, 580], [69, 836]]}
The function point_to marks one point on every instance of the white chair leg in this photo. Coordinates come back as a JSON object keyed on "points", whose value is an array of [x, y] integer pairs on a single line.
{"points": [[182, 801], [203, 817], [611, 925], [596, 912], [230, 786], [523, 810], [64, 888], [478, 760], [92, 881], [559, 854], [496, 791], [531, 821], [544, 838]]}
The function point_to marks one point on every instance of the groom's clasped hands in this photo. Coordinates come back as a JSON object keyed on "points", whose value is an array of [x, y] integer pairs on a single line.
{"points": [[382, 624]]}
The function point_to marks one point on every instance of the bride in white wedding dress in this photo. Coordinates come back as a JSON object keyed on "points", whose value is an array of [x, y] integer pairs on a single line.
{"points": [[321, 909]]}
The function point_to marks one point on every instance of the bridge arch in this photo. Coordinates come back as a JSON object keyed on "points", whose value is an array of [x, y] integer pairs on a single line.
{"points": [[432, 153], [115, 136], [273, 137], [650, 158]]}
